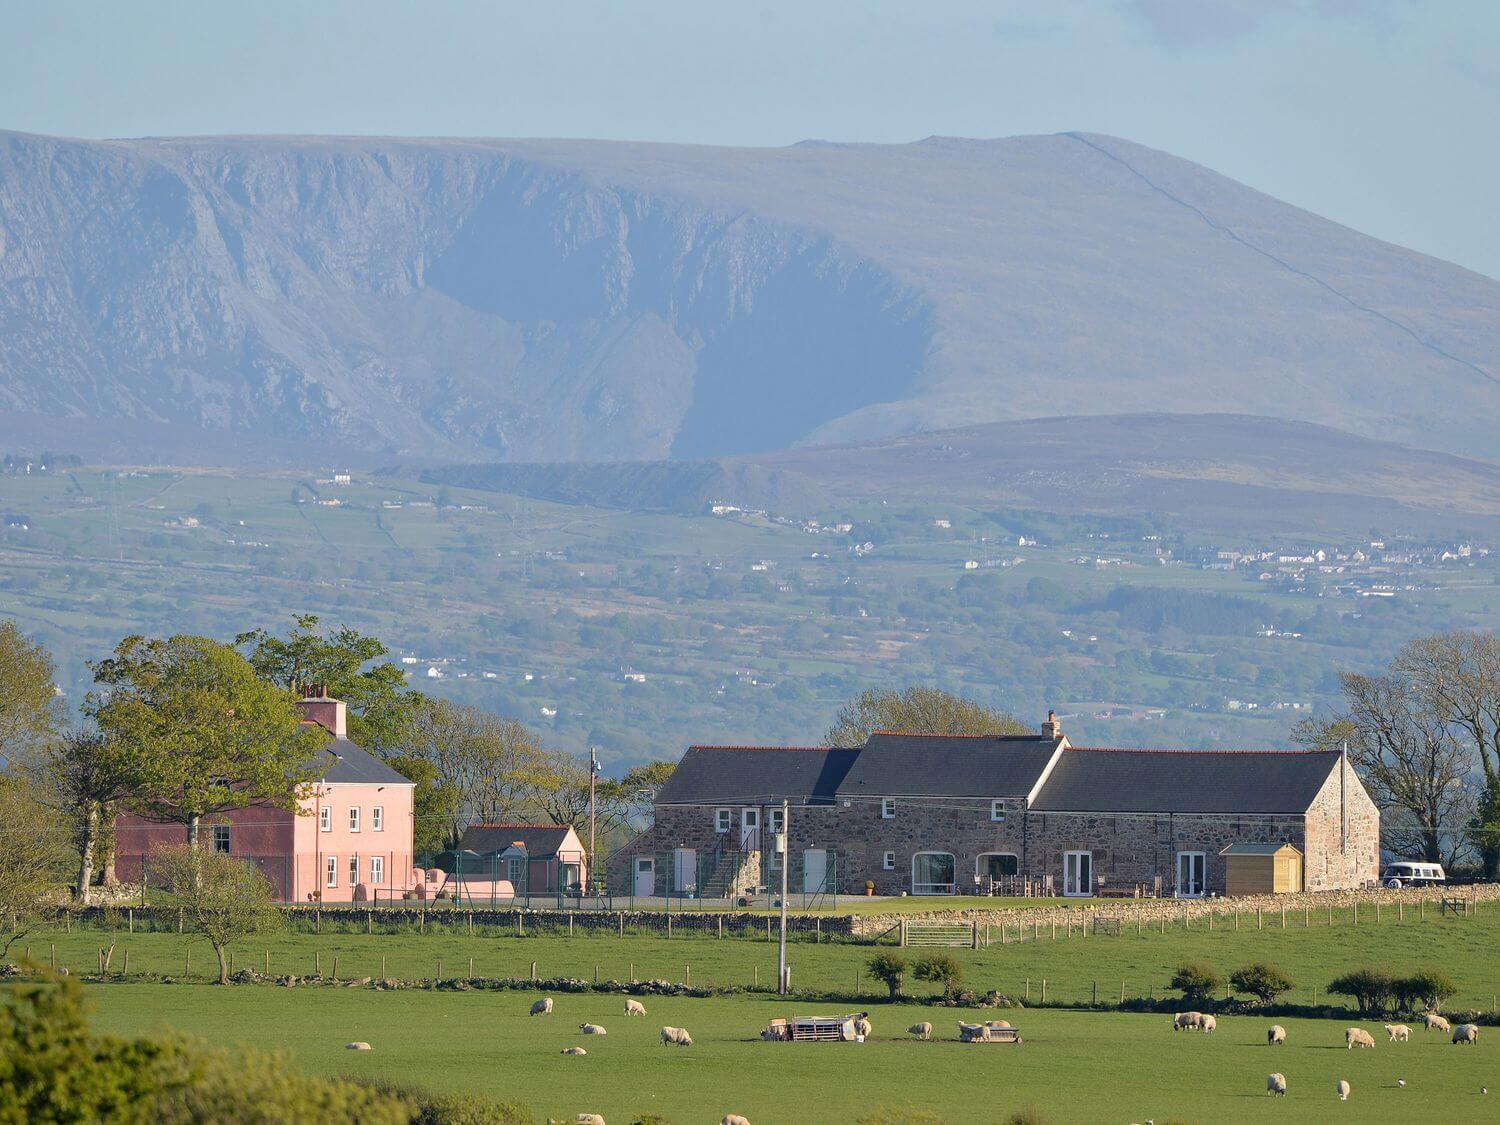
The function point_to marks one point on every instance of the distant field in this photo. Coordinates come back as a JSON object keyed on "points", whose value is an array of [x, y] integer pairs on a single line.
{"points": [[1073, 1066]]}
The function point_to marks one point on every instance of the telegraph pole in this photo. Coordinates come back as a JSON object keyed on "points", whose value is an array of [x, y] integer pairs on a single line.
{"points": [[593, 773], [779, 841]]}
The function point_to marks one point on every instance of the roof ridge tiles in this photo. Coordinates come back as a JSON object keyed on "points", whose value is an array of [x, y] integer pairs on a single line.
{"points": [[942, 734], [1270, 751], [735, 746], [487, 824]]}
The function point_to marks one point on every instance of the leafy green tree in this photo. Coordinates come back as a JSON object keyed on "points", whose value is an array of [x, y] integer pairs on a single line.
{"points": [[33, 856], [1262, 980], [435, 803], [1424, 990], [941, 969], [890, 969], [223, 898], [347, 662], [929, 710], [203, 732], [1372, 990], [1196, 980], [29, 709], [495, 764]]}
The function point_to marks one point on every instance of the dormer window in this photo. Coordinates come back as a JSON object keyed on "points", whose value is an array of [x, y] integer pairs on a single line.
{"points": [[887, 808]]}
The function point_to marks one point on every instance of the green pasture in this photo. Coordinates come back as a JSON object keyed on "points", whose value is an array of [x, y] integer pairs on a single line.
{"points": [[1072, 1066], [1077, 968]]}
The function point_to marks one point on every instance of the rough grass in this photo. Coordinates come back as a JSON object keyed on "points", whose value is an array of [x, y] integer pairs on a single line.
{"points": [[1073, 1066]]}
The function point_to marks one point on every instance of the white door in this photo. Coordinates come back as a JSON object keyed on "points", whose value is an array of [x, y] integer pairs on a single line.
{"points": [[1078, 873], [814, 870], [645, 876], [1191, 869], [750, 830], [685, 870]]}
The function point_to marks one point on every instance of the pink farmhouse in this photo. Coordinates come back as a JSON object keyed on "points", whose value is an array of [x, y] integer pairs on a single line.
{"points": [[349, 840]]}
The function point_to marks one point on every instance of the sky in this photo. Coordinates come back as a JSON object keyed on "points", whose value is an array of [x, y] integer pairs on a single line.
{"points": [[1380, 114]]}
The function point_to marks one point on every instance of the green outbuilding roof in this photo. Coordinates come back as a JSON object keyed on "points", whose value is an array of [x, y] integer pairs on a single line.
{"points": [[1257, 849]]}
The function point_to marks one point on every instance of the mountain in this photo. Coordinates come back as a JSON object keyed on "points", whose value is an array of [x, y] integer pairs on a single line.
{"points": [[1211, 472], [441, 300]]}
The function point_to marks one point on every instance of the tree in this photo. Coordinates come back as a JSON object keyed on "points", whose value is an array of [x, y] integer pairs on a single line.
{"points": [[203, 732], [435, 803], [381, 707], [928, 710], [941, 969], [889, 969], [1424, 990], [1196, 981], [1371, 989], [1262, 980], [33, 857], [223, 898], [84, 775], [28, 694], [493, 763]]}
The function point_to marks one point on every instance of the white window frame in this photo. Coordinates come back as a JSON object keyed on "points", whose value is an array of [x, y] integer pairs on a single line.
{"points": [[980, 858], [952, 887], [774, 823], [1177, 890], [377, 818], [723, 821], [331, 871], [1089, 893], [997, 812], [377, 870], [224, 831], [354, 870], [887, 808], [325, 818], [888, 863], [353, 818]]}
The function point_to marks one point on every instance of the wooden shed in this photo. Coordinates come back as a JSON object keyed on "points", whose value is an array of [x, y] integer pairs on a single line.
{"points": [[1262, 869]]}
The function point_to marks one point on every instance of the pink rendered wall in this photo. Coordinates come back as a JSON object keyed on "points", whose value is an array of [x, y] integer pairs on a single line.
{"points": [[393, 843]]}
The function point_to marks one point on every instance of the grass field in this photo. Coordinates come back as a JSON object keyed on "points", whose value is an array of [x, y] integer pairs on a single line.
{"points": [[1073, 1066]]}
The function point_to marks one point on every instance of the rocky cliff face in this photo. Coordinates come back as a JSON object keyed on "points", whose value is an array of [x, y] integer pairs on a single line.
{"points": [[543, 301]]}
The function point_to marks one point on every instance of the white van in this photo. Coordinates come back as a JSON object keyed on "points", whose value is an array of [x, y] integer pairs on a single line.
{"points": [[1402, 874]]}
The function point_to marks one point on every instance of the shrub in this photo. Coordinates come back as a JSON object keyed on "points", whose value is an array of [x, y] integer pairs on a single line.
{"points": [[1371, 989], [889, 969], [941, 969], [1424, 990], [1196, 980], [1262, 980]]}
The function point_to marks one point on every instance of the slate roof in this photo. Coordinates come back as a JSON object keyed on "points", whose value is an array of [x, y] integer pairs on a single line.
{"points": [[1090, 779], [537, 839], [710, 775], [342, 761], [894, 764]]}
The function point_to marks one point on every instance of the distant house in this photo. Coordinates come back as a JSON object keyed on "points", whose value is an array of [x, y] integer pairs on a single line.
{"points": [[941, 814], [349, 839], [501, 860]]}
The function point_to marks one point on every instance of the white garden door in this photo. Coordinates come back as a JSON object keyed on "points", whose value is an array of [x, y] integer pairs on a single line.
{"points": [[814, 870], [750, 830], [1078, 873], [1191, 870], [685, 871], [645, 876]]}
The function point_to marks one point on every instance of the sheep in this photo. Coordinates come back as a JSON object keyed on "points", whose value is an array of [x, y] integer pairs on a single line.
{"points": [[1276, 1084], [1466, 1033], [999, 1023], [1398, 1031], [634, 1008], [1434, 1022], [862, 1027], [1357, 1037], [574, 1051], [542, 1007], [1208, 1024], [1343, 1090], [920, 1030], [356, 1046], [733, 1119], [592, 1029], [677, 1036], [589, 1119], [1187, 1021], [1275, 1034]]}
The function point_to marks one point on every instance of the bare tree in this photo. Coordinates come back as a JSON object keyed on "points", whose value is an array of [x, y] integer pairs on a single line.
{"points": [[494, 763], [223, 898]]}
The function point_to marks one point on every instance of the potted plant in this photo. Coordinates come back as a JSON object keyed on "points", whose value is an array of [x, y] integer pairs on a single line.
{"points": [[869, 888]]}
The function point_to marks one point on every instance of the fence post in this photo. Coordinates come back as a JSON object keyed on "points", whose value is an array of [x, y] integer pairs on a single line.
{"points": [[131, 912], [1096, 992], [125, 969], [1044, 990], [533, 972]]}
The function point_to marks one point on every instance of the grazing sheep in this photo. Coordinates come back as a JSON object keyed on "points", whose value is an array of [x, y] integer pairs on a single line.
{"points": [[1434, 1022], [862, 1027], [733, 1119], [1275, 1034], [1343, 1090], [634, 1008], [1398, 1031], [1357, 1037], [1187, 1021], [356, 1046], [677, 1036], [542, 1007], [592, 1029], [589, 1119], [574, 1051], [1276, 1084], [1466, 1033], [999, 1023], [1208, 1024], [920, 1030]]}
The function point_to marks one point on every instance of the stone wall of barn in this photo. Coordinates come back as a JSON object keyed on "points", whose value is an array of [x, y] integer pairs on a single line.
{"points": [[1343, 835]]}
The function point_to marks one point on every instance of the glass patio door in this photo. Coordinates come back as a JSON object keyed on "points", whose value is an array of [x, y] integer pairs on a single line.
{"points": [[1078, 873], [1192, 870]]}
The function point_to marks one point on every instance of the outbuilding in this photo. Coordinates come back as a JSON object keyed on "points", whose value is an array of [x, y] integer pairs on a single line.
{"points": [[1262, 869]]}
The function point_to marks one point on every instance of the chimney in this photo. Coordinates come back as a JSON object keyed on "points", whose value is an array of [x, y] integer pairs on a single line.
{"points": [[1052, 728], [317, 706]]}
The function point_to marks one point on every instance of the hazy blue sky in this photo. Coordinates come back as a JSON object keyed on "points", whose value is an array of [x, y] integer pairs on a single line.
{"points": [[1382, 114]]}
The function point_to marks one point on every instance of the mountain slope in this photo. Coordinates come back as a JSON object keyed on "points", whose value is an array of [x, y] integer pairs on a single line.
{"points": [[551, 300]]}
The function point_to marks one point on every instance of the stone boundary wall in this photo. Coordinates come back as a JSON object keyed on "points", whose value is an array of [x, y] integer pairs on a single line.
{"points": [[1153, 910]]}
